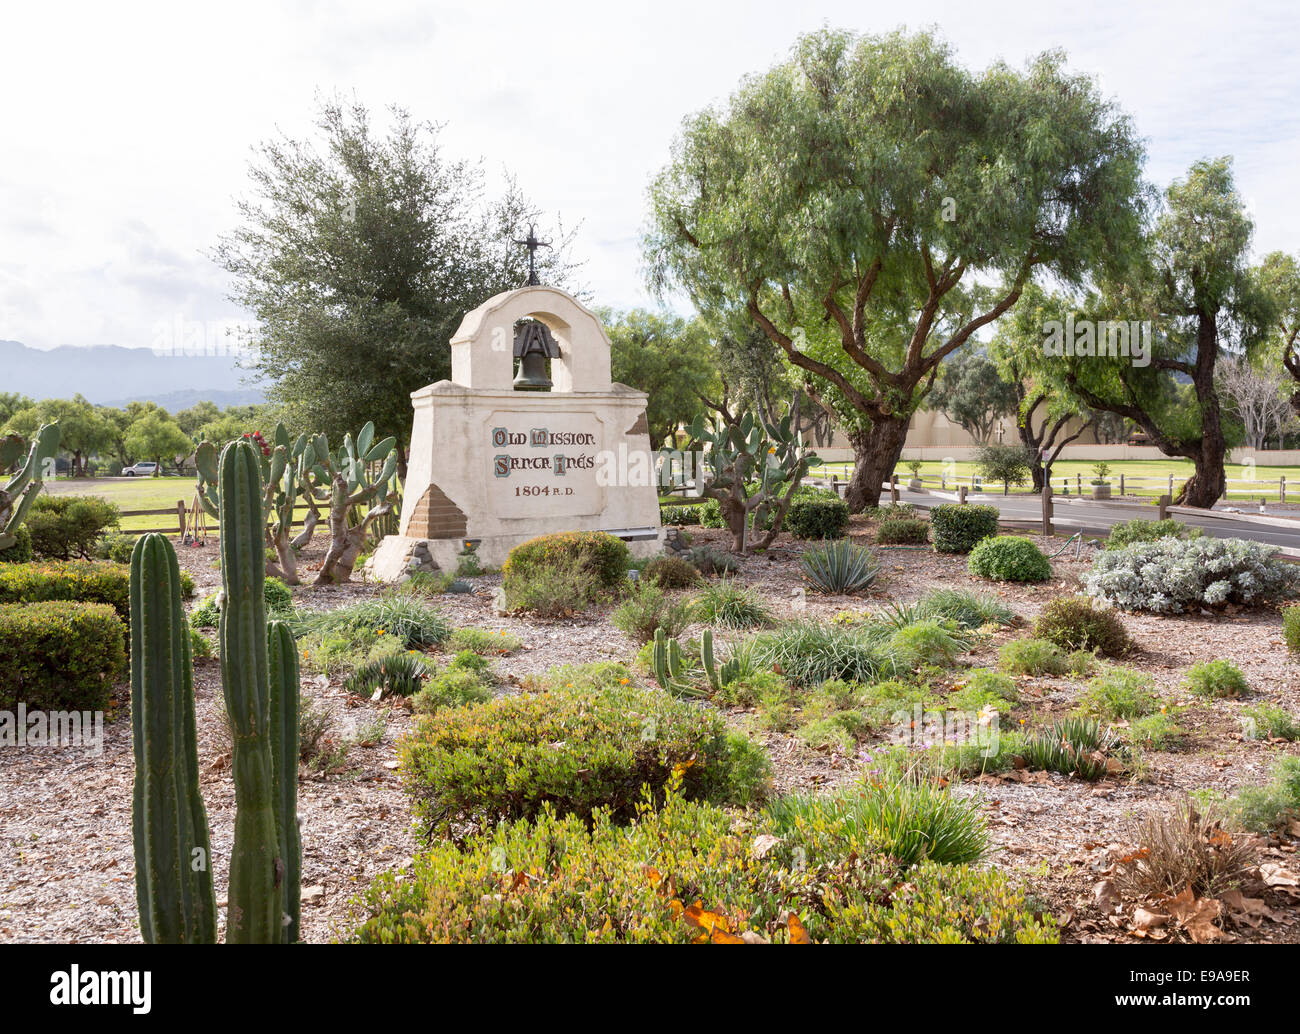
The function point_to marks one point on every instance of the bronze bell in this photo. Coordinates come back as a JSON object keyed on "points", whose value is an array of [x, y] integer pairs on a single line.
{"points": [[533, 347]]}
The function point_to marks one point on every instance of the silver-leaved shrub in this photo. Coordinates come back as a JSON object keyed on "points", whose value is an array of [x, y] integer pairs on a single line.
{"points": [[1170, 575]]}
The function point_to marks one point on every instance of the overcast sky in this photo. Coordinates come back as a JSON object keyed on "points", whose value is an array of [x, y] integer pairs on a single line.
{"points": [[127, 127]]}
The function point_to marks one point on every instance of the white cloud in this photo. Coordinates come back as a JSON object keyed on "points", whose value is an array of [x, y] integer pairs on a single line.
{"points": [[127, 135]]}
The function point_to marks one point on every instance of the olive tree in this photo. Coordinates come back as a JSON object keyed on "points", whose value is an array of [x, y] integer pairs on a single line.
{"points": [[871, 205]]}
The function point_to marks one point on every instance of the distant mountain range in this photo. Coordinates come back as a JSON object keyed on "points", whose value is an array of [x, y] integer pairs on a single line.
{"points": [[111, 375]]}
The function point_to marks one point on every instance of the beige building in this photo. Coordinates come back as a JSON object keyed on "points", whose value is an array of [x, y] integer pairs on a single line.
{"points": [[932, 435]]}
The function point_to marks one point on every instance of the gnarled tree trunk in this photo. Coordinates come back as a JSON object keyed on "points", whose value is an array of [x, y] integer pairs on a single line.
{"points": [[875, 455]]}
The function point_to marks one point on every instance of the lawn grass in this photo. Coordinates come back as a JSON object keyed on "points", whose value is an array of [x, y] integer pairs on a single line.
{"points": [[1267, 477], [145, 493]]}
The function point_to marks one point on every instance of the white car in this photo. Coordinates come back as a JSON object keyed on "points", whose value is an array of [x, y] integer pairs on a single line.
{"points": [[143, 469]]}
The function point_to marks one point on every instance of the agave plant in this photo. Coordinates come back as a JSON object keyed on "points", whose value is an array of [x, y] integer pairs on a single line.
{"points": [[840, 567], [1077, 746]]}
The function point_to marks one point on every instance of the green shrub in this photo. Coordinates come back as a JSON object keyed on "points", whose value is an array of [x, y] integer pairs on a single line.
{"points": [[710, 561], [832, 733], [958, 527], [926, 642], [1009, 558], [1032, 657], [1118, 694], [566, 587], [604, 556], [1141, 530], [670, 572], [67, 526], [1157, 731], [733, 606], [646, 608], [753, 687], [1261, 809], [907, 820], [71, 580], [839, 567], [115, 546], [1218, 678], [710, 513], [1080, 662], [1273, 722], [456, 686], [563, 880], [278, 598], [891, 511], [1171, 576], [573, 750], [981, 689], [1077, 623], [903, 531], [592, 676], [60, 655], [679, 516], [21, 551], [485, 641], [200, 645], [808, 653], [1291, 628], [817, 519]]}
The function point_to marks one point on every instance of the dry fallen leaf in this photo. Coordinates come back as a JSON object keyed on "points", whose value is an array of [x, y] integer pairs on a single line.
{"points": [[1105, 896]]}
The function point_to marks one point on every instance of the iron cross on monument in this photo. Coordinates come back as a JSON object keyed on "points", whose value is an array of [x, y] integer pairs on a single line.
{"points": [[532, 244]]}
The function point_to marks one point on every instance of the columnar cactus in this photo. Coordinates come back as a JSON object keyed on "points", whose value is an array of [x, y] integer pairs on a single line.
{"points": [[259, 674], [22, 489], [173, 871], [718, 677], [283, 656], [257, 863]]}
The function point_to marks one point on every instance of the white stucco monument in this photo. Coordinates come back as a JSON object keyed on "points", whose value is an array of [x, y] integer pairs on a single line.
{"points": [[495, 465]]}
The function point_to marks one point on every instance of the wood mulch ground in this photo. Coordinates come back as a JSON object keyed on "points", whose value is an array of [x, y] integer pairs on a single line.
{"points": [[66, 867]]}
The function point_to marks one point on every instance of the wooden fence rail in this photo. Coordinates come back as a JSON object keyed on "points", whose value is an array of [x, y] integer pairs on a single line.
{"points": [[178, 512]]}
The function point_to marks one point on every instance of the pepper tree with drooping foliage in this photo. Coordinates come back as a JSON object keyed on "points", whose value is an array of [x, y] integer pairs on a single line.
{"points": [[260, 682], [870, 204], [754, 470], [1189, 277], [21, 490]]}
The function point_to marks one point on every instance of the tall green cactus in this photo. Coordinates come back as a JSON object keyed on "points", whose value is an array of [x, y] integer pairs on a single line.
{"points": [[669, 667], [20, 492], [256, 866], [283, 655], [173, 872], [259, 674]]}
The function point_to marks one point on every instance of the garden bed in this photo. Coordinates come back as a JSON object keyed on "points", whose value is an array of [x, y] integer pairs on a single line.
{"points": [[67, 872]]}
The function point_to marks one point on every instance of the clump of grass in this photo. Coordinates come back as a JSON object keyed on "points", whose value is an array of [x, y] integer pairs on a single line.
{"points": [[908, 819], [646, 609], [840, 567], [670, 572], [412, 623], [1217, 678], [1032, 657], [1179, 850], [731, 605], [455, 686], [1119, 694], [808, 653], [565, 585]]}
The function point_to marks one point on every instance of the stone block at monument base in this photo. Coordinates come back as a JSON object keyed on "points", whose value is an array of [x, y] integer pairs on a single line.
{"points": [[493, 465]]}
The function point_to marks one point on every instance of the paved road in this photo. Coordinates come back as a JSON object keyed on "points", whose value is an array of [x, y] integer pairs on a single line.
{"points": [[1097, 518]]}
